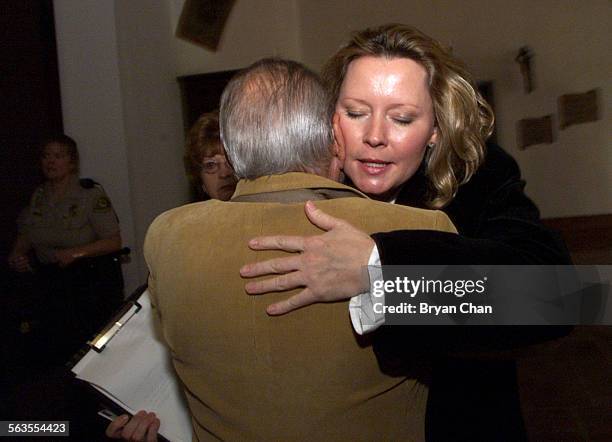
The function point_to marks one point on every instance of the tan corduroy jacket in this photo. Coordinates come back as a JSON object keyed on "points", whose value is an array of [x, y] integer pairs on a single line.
{"points": [[248, 376]]}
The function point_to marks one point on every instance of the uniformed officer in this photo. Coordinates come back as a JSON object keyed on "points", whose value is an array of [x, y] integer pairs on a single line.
{"points": [[73, 232]]}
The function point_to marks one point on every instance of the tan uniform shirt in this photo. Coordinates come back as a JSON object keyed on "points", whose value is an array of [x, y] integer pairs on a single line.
{"points": [[249, 376], [80, 217]]}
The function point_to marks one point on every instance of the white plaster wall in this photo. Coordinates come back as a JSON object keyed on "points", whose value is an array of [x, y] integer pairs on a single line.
{"points": [[570, 38], [151, 106], [91, 104]]}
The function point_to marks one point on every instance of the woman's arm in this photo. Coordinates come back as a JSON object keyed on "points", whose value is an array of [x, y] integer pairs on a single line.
{"points": [[100, 247], [498, 224], [18, 258], [105, 224], [331, 266]]}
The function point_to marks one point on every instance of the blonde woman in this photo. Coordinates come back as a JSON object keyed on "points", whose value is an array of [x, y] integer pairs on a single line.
{"points": [[410, 128]]}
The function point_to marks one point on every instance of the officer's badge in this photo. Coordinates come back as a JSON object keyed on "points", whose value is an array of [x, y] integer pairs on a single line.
{"points": [[103, 204]]}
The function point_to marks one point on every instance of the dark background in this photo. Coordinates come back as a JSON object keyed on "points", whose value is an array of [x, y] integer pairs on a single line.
{"points": [[31, 106]]}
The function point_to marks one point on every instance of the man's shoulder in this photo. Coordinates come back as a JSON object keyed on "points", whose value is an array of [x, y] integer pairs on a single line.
{"points": [[182, 216], [175, 223], [372, 214], [386, 208]]}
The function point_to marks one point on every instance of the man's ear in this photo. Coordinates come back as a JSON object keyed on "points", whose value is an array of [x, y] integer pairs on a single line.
{"points": [[339, 147]]}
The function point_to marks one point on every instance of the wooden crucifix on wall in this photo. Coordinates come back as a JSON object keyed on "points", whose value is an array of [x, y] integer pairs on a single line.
{"points": [[524, 60]]}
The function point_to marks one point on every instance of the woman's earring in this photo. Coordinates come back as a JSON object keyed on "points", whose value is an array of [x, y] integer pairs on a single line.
{"points": [[428, 152]]}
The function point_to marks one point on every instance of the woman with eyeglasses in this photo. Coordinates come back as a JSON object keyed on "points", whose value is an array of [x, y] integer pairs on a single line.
{"points": [[205, 160]]}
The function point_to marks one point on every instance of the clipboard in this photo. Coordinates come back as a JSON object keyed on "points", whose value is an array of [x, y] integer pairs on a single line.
{"points": [[106, 333], [112, 328], [127, 364]]}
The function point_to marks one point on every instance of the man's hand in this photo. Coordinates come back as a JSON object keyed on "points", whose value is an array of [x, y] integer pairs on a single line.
{"points": [[331, 266], [142, 427]]}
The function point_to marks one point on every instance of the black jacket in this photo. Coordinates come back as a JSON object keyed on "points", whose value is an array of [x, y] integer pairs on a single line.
{"points": [[497, 224]]}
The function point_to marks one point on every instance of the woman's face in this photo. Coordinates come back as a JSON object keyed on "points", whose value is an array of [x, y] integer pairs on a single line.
{"points": [[383, 122], [56, 162], [218, 179]]}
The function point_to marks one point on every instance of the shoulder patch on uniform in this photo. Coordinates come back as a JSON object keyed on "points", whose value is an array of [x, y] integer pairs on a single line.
{"points": [[103, 204]]}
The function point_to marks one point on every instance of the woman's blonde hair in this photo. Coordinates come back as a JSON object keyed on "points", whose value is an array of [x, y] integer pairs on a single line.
{"points": [[203, 140], [463, 118]]}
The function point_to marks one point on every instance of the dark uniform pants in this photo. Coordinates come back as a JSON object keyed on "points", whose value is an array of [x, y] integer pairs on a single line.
{"points": [[79, 300]]}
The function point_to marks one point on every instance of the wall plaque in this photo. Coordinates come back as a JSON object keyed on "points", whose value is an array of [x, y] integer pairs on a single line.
{"points": [[532, 131], [578, 108]]}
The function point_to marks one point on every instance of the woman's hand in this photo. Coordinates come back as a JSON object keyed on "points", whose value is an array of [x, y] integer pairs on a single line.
{"points": [[20, 263], [65, 257], [331, 266], [142, 427], [18, 258]]}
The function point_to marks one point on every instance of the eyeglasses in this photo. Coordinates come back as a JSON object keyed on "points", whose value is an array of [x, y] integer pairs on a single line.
{"points": [[212, 165]]}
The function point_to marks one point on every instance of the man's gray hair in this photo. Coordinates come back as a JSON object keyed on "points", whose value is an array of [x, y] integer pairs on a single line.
{"points": [[274, 119]]}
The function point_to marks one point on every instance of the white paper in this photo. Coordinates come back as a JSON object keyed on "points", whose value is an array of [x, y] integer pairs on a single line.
{"points": [[135, 371]]}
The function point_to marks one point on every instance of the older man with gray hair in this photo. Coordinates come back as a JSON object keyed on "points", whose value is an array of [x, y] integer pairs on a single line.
{"points": [[304, 376], [265, 126]]}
